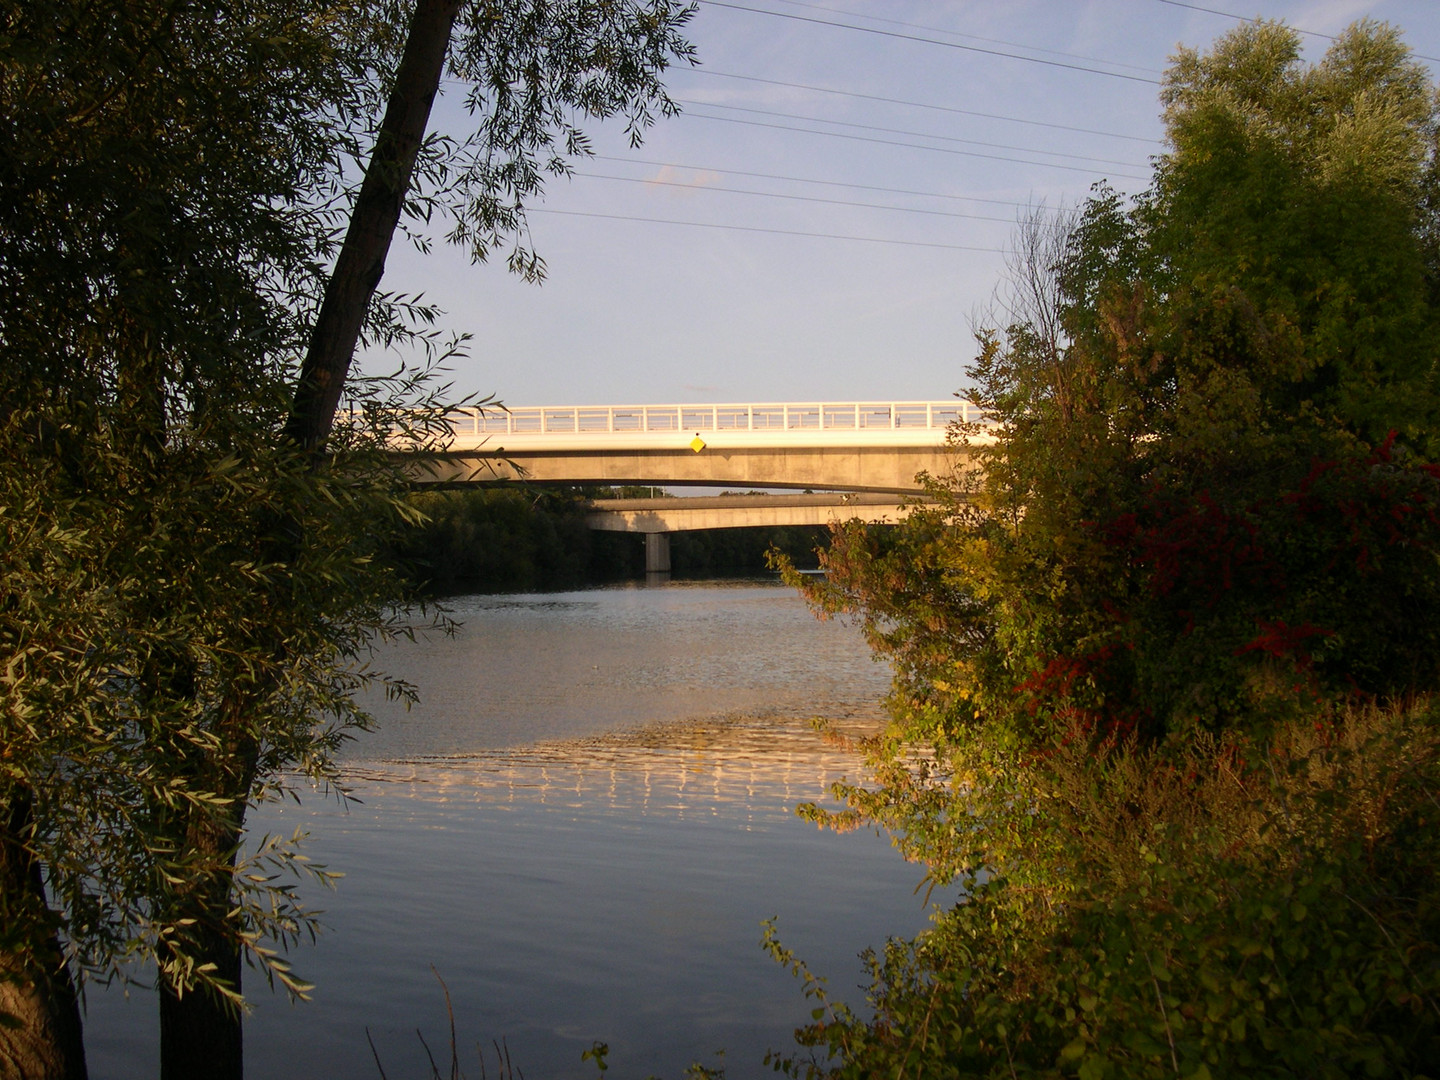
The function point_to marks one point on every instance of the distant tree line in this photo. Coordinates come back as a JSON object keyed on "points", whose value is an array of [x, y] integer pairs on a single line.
{"points": [[505, 538]]}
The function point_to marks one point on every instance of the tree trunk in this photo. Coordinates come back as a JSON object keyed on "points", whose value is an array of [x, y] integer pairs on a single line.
{"points": [[377, 210], [45, 1041], [201, 1035]]}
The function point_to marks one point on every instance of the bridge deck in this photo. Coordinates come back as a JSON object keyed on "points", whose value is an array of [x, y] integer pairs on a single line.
{"points": [[572, 427], [855, 446]]}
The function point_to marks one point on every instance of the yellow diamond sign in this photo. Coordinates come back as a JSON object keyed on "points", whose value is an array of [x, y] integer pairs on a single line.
{"points": [[697, 444]]}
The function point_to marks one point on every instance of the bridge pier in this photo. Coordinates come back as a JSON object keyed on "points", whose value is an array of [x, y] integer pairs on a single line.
{"points": [[657, 553]]}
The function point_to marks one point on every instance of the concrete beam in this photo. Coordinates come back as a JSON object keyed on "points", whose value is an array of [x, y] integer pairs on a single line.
{"points": [[655, 517], [890, 469]]}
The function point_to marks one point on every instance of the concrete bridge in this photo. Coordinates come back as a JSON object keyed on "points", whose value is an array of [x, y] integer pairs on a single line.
{"points": [[657, 518], [740, 511], [863, 456], [836, 446]]}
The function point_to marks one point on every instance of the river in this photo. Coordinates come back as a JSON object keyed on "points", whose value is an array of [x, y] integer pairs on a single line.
{"points": [[579, 830]]}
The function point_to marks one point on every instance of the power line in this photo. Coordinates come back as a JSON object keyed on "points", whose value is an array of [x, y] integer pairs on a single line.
{"points": [[925, 105], [906, 145], [811, 180], [916, 134], [931, 41], [971, 37], [795, 198], [1243, 18], [774, 232]]}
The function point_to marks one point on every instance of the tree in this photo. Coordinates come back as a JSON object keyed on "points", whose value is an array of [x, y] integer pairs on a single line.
{"points": [[531, 68], [1206, 527], [157, 162], [188, 593], [1234, 395]]}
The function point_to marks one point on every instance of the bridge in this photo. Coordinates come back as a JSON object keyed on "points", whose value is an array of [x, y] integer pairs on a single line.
{"points": [[835, 446], [864, 455]]}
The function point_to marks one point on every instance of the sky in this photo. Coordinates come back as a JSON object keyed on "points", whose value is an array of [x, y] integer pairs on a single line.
{"points": [[827, 218]]}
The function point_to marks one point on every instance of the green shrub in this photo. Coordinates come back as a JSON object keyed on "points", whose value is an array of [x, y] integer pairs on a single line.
{"points": [[1228, 910]]}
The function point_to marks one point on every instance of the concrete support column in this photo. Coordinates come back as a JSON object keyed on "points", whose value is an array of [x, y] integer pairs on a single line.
{"points": [[657, 553]]}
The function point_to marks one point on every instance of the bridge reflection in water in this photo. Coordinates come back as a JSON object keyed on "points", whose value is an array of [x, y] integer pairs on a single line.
{"points": [[754, 769]]}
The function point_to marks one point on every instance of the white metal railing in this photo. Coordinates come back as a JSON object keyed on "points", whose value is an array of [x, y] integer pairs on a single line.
{"points": [[776, 417]]}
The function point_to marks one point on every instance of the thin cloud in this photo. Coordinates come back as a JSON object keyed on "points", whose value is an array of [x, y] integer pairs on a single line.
{"points": [[671, 177]]}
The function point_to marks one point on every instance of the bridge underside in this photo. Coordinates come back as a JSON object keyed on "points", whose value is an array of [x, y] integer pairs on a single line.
{"points": [[738, 512], [656, 519], [886, 469]]}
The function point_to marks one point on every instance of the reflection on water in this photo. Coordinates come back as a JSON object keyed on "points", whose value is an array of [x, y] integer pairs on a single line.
{"points": [[604, 881], [749, 768], [525, 669]]}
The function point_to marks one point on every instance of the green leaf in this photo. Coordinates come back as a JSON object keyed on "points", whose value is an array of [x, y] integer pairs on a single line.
{"points": [[1142, 1042]]}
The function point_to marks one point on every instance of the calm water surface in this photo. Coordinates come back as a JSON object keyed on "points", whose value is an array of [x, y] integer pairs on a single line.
{"points": [[580, 830]]}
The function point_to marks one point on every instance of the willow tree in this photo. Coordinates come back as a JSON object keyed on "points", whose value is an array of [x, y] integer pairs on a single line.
{"points": [[533, 70], [159, 230], [190, 579]]}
